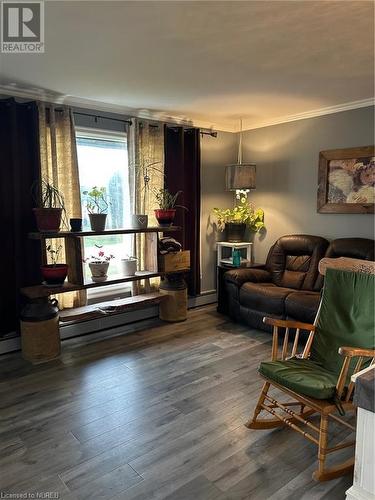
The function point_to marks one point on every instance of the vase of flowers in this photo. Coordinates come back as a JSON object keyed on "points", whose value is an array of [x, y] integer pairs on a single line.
{"points": [[54, 274], [97, 206], [166, 212], [99, 264], [236, 220]]}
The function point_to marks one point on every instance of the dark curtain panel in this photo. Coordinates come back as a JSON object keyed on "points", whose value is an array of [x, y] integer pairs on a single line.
{"points": [[182, 173], [19, 169]]}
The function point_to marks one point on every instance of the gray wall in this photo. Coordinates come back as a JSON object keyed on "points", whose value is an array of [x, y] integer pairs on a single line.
{"points": [[216, 153], [287, 175]]}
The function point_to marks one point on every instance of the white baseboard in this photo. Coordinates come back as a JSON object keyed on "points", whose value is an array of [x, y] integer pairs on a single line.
{"points": [[118, 324], [357, 493], [205, 298], [9, 345]]}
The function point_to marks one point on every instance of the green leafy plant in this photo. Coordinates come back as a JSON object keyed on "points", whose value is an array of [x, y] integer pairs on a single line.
{"points": [[46, 195], [243, 213], [97, 200], [167, 200], [54, 253]]}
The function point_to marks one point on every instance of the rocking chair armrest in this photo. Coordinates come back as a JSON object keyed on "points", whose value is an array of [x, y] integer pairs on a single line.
{"points": [[349, 353], [352, 352], [283, 323]]}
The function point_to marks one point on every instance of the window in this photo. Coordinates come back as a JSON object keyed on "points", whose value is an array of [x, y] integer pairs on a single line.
{"points": [[103, 162]]}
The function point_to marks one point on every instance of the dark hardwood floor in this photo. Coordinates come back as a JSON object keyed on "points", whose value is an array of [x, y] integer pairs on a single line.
{"points": [[157, 414]]}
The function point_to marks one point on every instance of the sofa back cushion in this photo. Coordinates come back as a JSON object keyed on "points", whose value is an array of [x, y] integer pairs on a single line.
{"points": [[293, 260], [353, 248]]}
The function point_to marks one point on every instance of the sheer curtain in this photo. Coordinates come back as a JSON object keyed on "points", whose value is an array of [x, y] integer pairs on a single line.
{"points": [[58, 157], [145, 146]]}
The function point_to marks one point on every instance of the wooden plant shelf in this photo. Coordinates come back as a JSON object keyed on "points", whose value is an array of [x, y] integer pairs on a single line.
{"points": [[39, 291], [70, 234], [110, 308], [74, 258]]}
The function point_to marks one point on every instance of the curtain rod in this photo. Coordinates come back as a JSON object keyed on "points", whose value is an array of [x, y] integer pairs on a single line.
{"points": [[102, 117], [96, 116], [208, 132], [212, 133]]}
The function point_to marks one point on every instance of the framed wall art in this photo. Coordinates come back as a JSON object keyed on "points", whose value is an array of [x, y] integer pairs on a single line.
{"points": [[346, 181]]}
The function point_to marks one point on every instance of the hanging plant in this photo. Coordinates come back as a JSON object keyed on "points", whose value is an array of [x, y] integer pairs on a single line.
{"points": [[143, 171]]}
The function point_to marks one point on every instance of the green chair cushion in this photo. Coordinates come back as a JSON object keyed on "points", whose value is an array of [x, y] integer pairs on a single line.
{"points": [[302, 376]]}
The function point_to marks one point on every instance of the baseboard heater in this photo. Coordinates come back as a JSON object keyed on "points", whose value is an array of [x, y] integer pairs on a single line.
{"points": [[108, 308], [111, 318]]}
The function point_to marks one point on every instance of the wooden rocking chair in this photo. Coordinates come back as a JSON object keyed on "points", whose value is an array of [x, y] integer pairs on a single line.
{"points": [[318, 379]]}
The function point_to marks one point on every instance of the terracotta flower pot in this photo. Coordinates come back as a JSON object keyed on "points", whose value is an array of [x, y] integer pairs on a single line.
{"points": [[98, 271], [165, 217], [48, 220], [54, 274]]}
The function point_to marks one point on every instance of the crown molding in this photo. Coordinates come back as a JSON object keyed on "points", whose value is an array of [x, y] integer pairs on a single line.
{"points": [[80, 102], [364, 103], [91, 104]]}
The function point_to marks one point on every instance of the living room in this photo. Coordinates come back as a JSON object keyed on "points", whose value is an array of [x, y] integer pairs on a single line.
{"points": [[187, 299]]}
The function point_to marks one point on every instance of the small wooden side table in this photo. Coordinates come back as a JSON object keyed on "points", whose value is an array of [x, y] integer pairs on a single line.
{"points": [[244, 245]]}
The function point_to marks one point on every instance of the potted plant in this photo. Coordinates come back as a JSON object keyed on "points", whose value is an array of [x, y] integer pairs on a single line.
{"points": [[97, 206], [235, 220], [143, 171], [54, 274], [50, 206], [166, 212], [129, 265], [99, 264]]}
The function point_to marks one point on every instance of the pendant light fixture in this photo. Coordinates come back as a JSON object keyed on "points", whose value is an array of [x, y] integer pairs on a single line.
{"points": [[240, 176]]}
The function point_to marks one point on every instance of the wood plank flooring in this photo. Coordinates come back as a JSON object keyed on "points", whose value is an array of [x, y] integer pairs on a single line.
{"points": [[154, 415]]}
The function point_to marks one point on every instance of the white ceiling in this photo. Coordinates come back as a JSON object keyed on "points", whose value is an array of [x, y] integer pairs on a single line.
{"points": [[208, 62]]}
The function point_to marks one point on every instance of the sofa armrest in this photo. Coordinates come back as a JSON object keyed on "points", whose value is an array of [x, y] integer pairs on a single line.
{"points": [[241, 276]]}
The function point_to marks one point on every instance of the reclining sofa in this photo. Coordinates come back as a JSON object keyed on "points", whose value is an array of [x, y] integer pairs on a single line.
{"points": [[288, 285]]}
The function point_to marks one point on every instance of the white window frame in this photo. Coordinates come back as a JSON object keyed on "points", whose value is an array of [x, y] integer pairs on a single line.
{"points": [[120, 290], [101, 133]]}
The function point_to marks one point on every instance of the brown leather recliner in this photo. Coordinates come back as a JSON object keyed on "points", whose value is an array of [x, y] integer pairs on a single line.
{"points": [[304, 306], [288, 285]]}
